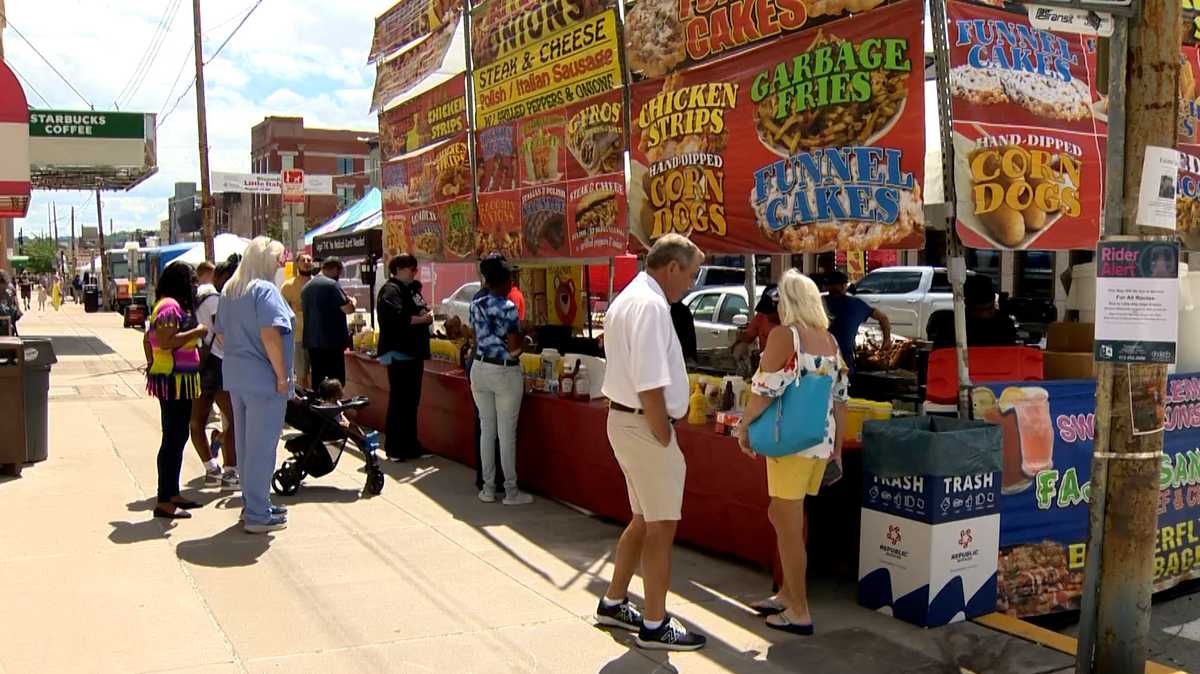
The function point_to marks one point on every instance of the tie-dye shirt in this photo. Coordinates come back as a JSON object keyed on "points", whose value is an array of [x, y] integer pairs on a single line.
{"points": [[173, 375], [493, 319]]}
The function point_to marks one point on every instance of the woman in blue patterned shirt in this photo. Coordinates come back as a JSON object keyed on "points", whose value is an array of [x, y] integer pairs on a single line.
{"points": [[497, 383]]}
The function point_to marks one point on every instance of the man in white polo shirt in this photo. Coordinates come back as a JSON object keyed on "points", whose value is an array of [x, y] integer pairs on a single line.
{"points": [[646, 382]]}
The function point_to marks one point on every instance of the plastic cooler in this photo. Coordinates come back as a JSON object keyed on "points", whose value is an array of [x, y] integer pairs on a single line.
{"points": [[985, 363]]}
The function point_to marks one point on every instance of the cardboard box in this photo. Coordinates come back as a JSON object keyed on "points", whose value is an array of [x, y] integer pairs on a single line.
{"points": [[928, 574], [1070, 338], [1063, 365]]}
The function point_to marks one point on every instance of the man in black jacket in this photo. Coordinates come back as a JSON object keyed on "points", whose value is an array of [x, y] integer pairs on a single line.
{"points": [[404, 320]]}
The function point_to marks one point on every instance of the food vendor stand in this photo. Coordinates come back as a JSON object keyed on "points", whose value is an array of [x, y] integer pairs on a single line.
{"points": [[469, 171]]}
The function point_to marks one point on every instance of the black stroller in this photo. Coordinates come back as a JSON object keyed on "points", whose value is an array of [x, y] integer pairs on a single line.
{"points": [[322, 440]]}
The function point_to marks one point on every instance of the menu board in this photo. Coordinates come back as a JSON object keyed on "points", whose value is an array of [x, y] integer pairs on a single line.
{"points": [[403, 72], [427, 202], [526, 76], [662, 36], [812, 142], [409, 20], [501, 29], [552, 185], [1029, 132], [435, 115]]}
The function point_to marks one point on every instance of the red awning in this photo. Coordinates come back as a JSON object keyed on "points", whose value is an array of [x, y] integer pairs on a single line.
{"points": [[14, 138]]}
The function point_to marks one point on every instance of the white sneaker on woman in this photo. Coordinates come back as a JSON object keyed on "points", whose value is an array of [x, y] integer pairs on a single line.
{"points": [[518, 498]]}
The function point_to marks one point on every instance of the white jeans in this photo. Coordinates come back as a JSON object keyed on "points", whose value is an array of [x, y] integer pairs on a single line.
{"points": [[497, 390]]}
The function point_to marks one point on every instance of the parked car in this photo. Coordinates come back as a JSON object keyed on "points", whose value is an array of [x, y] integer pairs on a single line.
{"points": [[908, 295], [710, 275], [719, 312], [459, 303]]}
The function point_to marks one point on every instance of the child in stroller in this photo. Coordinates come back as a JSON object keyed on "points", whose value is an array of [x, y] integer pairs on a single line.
{"points": [[324, 431]]}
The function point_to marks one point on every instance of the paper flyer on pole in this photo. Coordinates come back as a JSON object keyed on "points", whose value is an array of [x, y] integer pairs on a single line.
{"points": [[1137, 301]]}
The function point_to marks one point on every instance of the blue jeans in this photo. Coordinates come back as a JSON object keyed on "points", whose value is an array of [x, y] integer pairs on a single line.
{"points": [[497, 390], [257, 425], [176, 416]]}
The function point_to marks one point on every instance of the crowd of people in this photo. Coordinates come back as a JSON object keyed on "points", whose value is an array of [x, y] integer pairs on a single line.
{"points": [[17, 293], [226, 335]]}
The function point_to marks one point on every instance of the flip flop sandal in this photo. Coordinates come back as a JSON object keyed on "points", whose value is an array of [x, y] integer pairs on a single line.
{"points": [[768, 606], [780, 622], [179, 514]]}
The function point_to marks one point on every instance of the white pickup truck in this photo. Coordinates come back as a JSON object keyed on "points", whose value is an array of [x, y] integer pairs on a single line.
{"points": [[908, 295]]}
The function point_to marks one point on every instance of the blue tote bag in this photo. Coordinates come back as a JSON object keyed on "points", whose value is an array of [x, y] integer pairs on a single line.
{"points": [[799, 418]]}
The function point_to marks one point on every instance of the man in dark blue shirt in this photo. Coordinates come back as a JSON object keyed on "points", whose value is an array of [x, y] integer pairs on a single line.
{"points": [[326, 335], [847, 314]]}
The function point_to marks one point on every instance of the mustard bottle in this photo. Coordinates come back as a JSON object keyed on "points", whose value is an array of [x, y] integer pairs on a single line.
{"points": [[697, 407]]}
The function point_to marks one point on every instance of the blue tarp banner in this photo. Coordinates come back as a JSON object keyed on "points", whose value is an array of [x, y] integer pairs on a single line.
{"points": [[1048, 429]]}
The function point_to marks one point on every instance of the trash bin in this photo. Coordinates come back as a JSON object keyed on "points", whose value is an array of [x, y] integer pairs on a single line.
{"points": [[91, 298], [12, 400], [39, 356], [930, 536]]}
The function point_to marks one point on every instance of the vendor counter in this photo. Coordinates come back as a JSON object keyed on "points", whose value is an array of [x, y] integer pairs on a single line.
{"points": [[563, 453]]}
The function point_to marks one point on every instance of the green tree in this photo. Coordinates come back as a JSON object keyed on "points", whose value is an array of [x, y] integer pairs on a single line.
{"points": [[43, 254]]}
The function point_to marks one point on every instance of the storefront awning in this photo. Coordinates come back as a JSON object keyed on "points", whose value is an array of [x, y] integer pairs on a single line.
{"points": [[363, 214], [14, 138]]}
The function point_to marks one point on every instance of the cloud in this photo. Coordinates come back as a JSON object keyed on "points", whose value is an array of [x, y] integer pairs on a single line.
{"points": [[274, 65]]}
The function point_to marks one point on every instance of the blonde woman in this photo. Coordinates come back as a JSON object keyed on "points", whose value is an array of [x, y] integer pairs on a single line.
{"points": [[801, 345], [255, 325]]}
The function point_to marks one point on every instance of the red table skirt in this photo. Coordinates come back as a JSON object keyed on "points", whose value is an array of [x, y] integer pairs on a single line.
{"points": [[563, 452]]}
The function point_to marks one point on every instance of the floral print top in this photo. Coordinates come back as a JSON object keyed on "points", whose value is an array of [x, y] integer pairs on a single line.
{"points": [[802, 363]]}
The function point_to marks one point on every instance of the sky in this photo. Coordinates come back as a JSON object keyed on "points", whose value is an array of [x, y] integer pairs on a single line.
{"points": [[291, 57]]}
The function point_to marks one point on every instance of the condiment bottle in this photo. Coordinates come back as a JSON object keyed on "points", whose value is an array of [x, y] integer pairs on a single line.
{"points": [[583, 382], [728, 400], [697, 407], [566, 383]]}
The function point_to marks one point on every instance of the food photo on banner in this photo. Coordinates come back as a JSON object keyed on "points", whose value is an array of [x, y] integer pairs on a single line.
{"points": [[1048, 432], [662, 36], [829, 151], [1187, 198], [423, 120], [404, 71], [409, 20], [1029, 131], [427, 202], [552, 185]]}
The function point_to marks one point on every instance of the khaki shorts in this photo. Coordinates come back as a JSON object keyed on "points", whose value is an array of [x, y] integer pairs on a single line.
{"points": [[794, 477], [300, 365], [654, 474]]}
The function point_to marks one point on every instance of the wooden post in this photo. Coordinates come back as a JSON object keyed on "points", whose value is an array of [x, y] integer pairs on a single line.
{"points": [[202, 126], [100, 236], [1125, 469]]}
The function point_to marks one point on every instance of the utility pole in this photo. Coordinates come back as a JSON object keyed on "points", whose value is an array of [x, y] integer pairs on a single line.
{"points": [[57, 250], [100, 236], [5, 223], [1123, 509], [74, 252], [202, 126]]}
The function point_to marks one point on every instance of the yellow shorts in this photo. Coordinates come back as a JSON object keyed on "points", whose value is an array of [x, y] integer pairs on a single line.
{"points": [[794, 477]]}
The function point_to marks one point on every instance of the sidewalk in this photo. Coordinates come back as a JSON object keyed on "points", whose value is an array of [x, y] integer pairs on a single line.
{"points": [[423, 578]]}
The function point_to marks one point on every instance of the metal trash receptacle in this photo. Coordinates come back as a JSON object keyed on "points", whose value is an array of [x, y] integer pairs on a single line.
{"points": [[12, 400], [39, 357], [91, 298]]}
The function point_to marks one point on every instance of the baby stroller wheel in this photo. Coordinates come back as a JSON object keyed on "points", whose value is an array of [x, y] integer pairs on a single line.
{"points": [[374, 481], [285, 482]]}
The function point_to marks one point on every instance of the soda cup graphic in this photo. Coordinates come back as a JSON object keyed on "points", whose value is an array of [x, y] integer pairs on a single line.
{"points": [[1028, 436]]}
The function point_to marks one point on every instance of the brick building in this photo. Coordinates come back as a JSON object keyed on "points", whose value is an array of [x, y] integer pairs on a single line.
{"points": [[280, 143]]}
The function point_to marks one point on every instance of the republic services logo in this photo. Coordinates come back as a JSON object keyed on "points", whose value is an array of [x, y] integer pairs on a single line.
{"points": [[893, 534], [965, 538]]}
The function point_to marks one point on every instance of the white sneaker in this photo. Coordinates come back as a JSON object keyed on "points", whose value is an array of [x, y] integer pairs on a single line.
{"points": [[518, 498], [487, 496], [275, 524], [212, 478], [230, 480]]}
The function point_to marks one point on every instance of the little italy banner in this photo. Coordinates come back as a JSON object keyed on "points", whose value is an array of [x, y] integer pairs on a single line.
{"points": [[812, 142], [1029, 132]]}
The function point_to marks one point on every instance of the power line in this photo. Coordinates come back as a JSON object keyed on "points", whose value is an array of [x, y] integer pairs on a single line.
{"points": [[235, 30], [171, 91], [152, 53], [162, 21], [175, 105], [28, 83], [46, 60]]}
